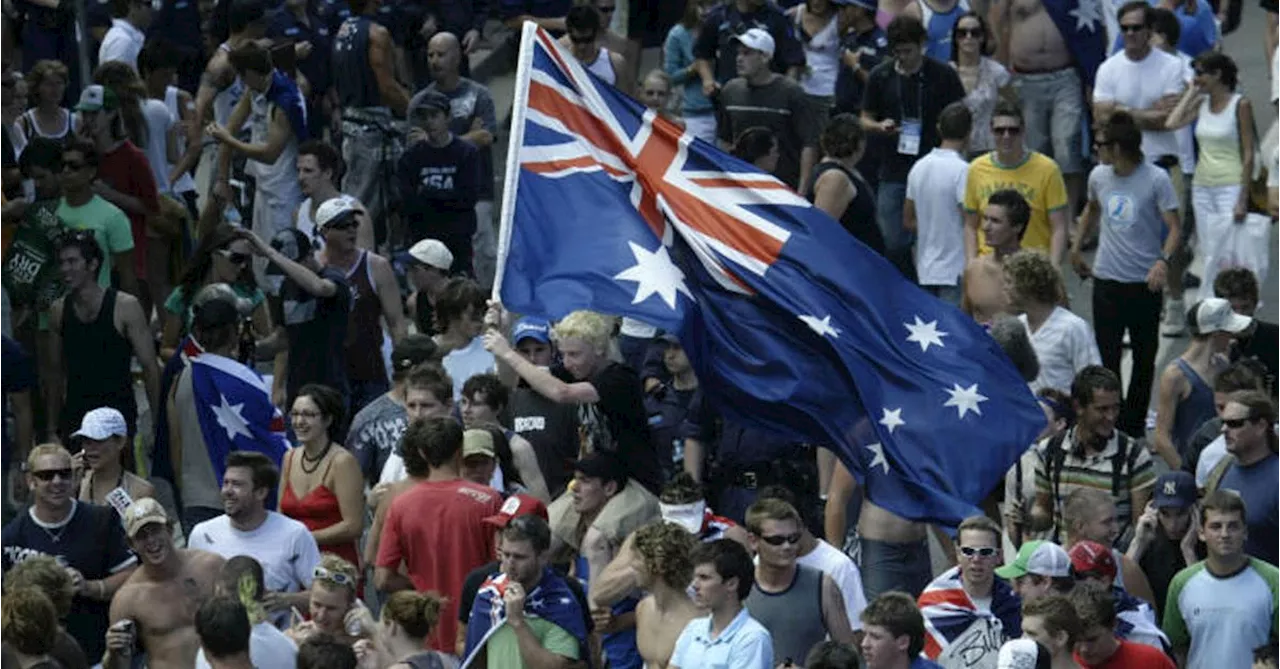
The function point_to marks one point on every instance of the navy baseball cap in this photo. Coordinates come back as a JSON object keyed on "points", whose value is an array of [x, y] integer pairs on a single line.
{"points": [[1175, 490], [530, 327]]}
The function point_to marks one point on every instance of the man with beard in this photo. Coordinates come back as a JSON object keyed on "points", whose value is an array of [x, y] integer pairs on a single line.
{"points": [[158, 604], [84, 538], [283, 546]]}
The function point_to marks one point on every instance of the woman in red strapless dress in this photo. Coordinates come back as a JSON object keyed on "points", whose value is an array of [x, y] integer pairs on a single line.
{"points": [[322, 486]]}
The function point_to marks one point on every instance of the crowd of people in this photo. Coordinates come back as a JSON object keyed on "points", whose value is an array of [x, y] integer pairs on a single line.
{"points": [[300, 196]]}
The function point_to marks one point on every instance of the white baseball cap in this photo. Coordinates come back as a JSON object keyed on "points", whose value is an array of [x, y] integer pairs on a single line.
{"points": [[102, 423], [333, 209], [758, 39], [1215, 315], [1020, 654], [432, 252]]}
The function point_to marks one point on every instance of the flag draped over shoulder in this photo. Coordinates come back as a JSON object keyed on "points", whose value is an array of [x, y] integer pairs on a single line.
{"points": [[551, 600], [957, 631], [235, 411], [284, 94], [792, 325]]}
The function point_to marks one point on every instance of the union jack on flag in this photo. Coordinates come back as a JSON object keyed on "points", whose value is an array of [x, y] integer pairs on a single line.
{"points": [[792, 325]]}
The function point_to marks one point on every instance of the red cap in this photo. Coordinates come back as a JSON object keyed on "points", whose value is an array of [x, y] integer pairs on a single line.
{"points": [[1091, 557], [515, 506]]}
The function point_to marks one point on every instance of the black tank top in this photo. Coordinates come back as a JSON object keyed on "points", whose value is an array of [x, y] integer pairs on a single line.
{"points": [[859, 218], [364, 325], [353, 77], [96, 357]]}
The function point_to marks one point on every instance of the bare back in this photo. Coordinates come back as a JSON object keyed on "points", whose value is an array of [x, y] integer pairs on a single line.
{"points": [[164, 611], [657, 631], [1035, 45]]}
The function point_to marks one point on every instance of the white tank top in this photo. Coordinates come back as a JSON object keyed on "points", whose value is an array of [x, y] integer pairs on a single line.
{"points": [[185, 183], [225, 100], [602, 66], [822, 55]]}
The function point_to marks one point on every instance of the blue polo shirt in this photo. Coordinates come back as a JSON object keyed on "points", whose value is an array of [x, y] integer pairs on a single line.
{"points": [[744, 644]]}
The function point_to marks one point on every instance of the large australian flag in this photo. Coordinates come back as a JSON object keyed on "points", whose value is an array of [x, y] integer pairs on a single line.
{"points": [[792, 325]]}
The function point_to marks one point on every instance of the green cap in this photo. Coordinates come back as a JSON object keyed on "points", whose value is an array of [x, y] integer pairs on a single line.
{"points": [[98, 98], [1043, 558]]}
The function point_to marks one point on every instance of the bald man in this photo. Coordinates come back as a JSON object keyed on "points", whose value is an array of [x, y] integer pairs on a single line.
{"points": [[473, 119]]}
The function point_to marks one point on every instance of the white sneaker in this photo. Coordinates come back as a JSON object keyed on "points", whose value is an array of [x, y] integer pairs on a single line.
{"points": [[1175, 319]]}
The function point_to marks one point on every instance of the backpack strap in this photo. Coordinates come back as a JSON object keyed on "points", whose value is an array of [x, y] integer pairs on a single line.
{"points": [[1218, 472], [1057, 456]]}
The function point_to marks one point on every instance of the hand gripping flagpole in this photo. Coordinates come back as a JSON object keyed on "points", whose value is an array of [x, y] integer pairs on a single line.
{"points": [[511, 181]]}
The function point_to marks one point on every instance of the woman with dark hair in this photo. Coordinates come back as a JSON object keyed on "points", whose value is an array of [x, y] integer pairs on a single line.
{"points": [[759, 147], [838, 189], [325, 490], [985, 80], [1225, 133], [221, 257], [817, 27]]}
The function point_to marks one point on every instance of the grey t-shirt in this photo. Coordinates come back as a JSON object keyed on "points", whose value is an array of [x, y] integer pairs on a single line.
{"points": [[1133, 229], [780, 106], [374, 434]]}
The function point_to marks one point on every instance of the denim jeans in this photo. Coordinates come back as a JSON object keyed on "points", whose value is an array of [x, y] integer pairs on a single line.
{"points": [[897, 241], [888, 566]]}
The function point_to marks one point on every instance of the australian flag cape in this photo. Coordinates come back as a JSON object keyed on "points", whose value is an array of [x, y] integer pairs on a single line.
{"points": [[551, 600], [284, 94]]}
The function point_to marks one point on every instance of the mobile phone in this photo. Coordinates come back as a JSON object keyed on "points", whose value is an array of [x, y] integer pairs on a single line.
{"points": [[29, 190]]}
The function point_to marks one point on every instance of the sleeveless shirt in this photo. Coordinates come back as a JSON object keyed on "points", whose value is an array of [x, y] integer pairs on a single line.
{"points": [[793, 616], [364, 327], [602, 66], [859, 218], [96, 359], [354, 78]]}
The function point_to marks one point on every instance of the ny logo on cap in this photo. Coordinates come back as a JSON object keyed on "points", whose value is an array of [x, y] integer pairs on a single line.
{"points": [[1170, 488]]}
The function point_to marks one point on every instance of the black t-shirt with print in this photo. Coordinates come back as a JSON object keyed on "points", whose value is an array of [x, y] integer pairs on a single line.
{"points": [[91, 541], [618, 422]]}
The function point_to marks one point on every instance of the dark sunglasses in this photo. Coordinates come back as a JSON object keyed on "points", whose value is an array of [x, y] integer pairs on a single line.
{"points": [[73, 166], [1006, 130], [779, 539], [344, 223], [970, 32], [1236, 423], [235, 257], [1133, 27], [582, 39], [48, 475], [983, 552], [1099, 143], [606, 10]]}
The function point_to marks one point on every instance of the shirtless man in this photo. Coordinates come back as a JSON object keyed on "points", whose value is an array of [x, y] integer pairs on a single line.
{"points": [[1047, 83], [159, 601], [895, 551], [664, 570]]}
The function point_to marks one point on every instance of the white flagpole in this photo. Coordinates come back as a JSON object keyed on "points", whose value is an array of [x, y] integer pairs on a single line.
{"points": [[511, 181]]}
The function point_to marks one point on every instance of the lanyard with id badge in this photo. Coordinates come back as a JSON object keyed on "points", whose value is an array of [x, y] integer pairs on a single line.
{"points": [[909, 132]]}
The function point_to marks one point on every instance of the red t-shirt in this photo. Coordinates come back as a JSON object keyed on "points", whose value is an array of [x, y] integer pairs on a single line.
{"points": [[1132, 656], [436, 529], [127, 170]]}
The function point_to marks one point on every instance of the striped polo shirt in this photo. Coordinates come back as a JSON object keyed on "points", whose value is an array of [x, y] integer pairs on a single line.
{"points": [[1095, 471]]}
